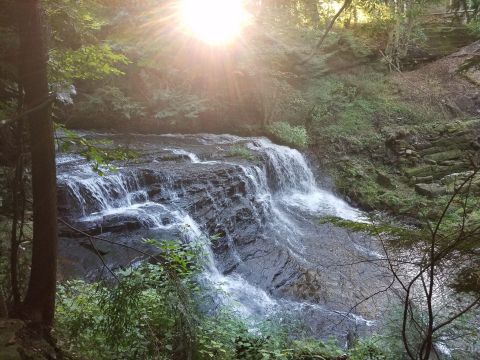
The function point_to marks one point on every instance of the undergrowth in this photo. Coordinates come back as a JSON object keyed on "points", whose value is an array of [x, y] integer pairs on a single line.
{"points": [[355, 111], [291, 135]]}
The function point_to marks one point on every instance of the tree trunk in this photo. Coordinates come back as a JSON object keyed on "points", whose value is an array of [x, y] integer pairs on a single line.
{"points": [[312, 9], [329, 27], [39, 303], [3, 306]]}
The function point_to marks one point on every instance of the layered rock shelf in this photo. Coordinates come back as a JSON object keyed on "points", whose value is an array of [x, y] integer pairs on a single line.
{"points": [[438, 164]]}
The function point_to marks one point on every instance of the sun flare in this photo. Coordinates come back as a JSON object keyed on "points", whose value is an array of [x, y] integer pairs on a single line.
{"points": [[215, 22]]}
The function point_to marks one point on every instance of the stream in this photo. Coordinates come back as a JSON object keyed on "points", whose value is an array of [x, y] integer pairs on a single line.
{"points": [[271, 253]]}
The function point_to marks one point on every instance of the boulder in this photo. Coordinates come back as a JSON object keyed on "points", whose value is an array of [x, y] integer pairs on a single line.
{"points": [[446, 155], [430, 190], [420, 171], [423, 179], [436, 171], [444, 145], [455, 177]]}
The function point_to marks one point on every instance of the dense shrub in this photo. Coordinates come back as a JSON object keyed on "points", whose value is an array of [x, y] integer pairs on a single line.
{"points": [[295, 136]]}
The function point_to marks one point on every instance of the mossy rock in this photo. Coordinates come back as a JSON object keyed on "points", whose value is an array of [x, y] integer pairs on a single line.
{"points": [[456, 177], [436, 171], [431, 190], [420, 171], [443, 146], [422, 179], [456, 167], [446, 155]]}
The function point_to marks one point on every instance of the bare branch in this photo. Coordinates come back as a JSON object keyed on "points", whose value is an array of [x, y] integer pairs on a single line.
{"points": [[329, 27], [30, 111]]}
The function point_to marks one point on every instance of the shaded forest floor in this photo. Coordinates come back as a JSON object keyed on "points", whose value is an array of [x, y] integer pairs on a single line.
{"points": [[19, 343], [444, 84]]}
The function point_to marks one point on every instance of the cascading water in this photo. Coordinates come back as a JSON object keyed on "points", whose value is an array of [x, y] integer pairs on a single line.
{"points": [[188, 186]]}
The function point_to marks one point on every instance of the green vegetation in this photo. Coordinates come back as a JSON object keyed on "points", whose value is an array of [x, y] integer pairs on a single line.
{"points": [[287, 134], [354, 112], [100, 153], [365, 131], [474, 27], [357, 177], [147, 313], [374, 229], [241, 151]]}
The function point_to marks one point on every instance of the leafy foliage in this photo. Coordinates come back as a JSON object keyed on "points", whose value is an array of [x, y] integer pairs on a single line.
{"points": [[175, 104], [241, 151], [99, 153], [74, 23], [144, 315], [474, 26], [295, 136], [110, 105], [92, 62]]}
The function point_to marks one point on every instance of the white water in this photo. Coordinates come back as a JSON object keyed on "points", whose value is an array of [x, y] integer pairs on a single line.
{"points": [[191, 156], [296, 183], [286, 182]]}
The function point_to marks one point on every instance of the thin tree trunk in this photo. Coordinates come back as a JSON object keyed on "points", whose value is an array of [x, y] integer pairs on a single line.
{"points": [[15, 238], [39, 303], [312, 9], [3, 306], [329, 27], [466, 8]]}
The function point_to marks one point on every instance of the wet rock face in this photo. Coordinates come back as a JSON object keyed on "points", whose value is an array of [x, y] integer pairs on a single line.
{"points": [[269, 248]]}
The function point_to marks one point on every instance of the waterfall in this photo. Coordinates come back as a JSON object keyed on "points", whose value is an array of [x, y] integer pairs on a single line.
{"points": [[285, 172], [279, 189]]}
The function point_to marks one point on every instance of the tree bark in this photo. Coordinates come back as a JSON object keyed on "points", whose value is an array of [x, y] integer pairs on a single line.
{"points": [[312, 9], [39, 304]]}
